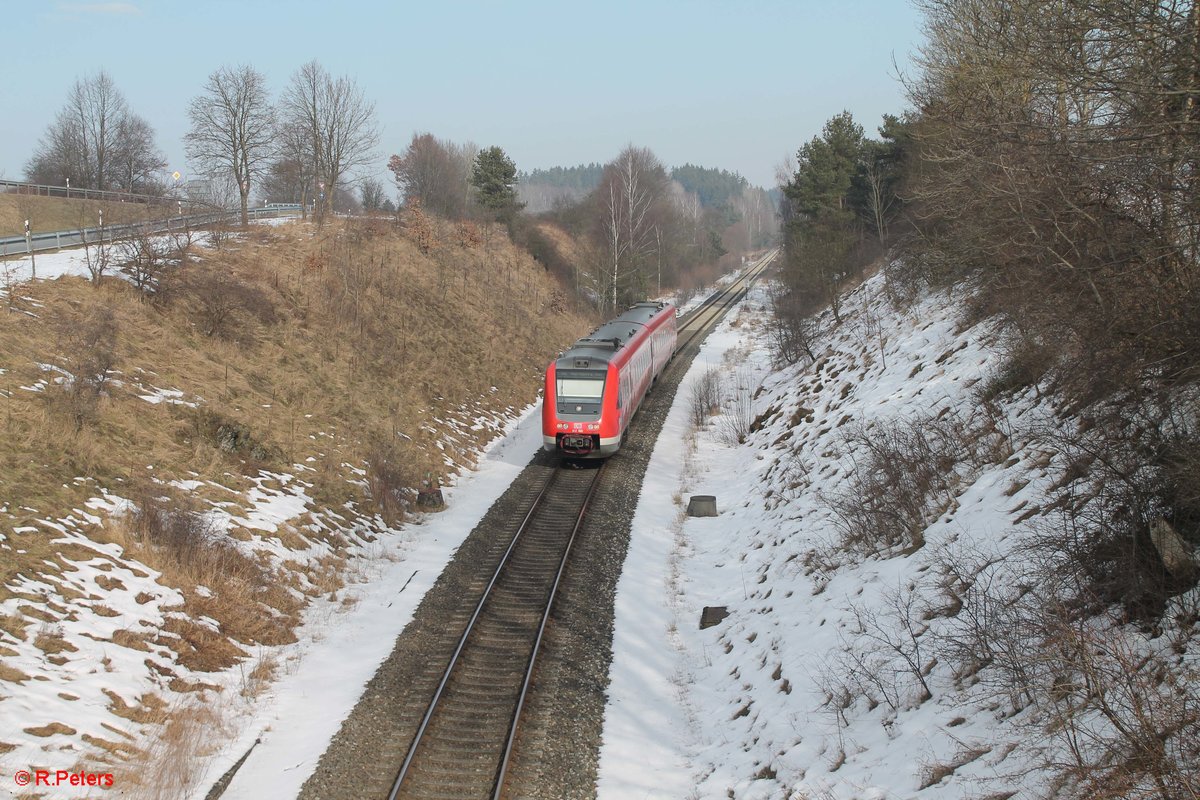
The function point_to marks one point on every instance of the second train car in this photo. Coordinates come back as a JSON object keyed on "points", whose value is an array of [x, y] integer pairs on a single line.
{"points": [[593, 389]]}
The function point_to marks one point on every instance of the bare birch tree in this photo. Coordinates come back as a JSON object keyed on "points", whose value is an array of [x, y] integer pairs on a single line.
{"points": [[232, 133], [634, 192]]}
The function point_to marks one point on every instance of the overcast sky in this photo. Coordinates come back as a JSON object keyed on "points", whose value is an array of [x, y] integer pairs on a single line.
{"points": [[734, 85]]}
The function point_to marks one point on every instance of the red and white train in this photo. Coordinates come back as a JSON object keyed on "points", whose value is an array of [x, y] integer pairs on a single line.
{"points": [[593, 389]]}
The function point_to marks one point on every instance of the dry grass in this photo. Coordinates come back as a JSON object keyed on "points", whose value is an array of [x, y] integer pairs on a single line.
{"points": [[50, 730], [172, 763], [14, 625], [935, 772], [370, 341], [51, 641], [47, 214], [12, 674], [150, 708]]}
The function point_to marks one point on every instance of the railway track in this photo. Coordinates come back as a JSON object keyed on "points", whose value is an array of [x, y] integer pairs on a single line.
{"points": [[464, 742], [480, 738], [698, 320], [462, 746]]}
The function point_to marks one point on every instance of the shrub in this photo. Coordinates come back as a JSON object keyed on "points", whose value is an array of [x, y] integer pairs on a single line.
{"points": [[706, 397], [250, 604], [1130, 478], [220, 305], [903, 475], [737, 415], [88, 347], [391, 481], [1024, 359]]}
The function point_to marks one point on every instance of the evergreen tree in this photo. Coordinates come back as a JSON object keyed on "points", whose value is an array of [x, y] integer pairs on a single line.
{"points": [[495, 179], [874, 191], [825, 168], [821, 226]]}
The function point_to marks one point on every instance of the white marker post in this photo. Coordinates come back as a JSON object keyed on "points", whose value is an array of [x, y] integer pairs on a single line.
{"points": [[29, 249]]}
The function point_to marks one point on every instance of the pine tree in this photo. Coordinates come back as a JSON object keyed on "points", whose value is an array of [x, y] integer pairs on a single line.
{"points": [[495, 180]]}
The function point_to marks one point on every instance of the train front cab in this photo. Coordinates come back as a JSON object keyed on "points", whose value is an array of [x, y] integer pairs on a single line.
{"points": [[583, 419]]}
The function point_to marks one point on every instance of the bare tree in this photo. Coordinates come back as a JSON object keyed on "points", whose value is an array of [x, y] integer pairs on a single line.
{"points": [[97, 142], [136, 161], [689, 206], [879, 200], [232, 127], [98, 108], [291, 177], [338, 124], [435, 172], [1058, 148], [758, 215], [633, 193], [372, 193]]}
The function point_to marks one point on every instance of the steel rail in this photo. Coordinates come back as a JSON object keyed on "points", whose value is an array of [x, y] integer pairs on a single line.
{"points": [[754, 271], [462, 641]]}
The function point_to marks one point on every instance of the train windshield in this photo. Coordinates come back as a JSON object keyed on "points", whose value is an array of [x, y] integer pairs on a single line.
{"points": [[580, 385]]}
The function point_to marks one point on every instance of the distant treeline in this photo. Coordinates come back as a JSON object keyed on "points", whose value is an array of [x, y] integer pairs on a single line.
{"points": [[716, 188], [583, 178]]}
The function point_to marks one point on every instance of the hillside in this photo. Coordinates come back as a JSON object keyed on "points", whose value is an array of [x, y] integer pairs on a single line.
{"points": [[185, 471]]}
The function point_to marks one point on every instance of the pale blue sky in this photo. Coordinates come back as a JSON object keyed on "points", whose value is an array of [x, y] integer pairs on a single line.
{"points": [[734, 85]]}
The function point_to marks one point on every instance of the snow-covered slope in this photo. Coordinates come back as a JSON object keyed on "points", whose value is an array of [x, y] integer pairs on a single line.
{"points": [[815, 684]]}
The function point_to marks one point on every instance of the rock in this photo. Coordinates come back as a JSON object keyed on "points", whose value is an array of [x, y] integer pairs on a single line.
{"points": [[712, 615], [1177, 556]]}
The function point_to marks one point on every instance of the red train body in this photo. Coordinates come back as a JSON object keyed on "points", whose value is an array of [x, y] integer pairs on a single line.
{"points": [[593, 389]]}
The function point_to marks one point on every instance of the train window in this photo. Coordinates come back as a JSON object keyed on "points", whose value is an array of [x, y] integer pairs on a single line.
{"points": [[580, 385]]}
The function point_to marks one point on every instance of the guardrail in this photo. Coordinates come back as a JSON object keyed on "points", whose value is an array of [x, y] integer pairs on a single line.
{"points": [[56, 240], [76, 193]]}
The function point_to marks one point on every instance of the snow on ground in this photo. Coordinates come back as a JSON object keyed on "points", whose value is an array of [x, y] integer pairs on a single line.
{"points": [[741, 708], [95, 651], [339, 645]]}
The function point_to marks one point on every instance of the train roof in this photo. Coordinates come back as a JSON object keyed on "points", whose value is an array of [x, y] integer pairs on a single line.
{"points": [[601, 345]]}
